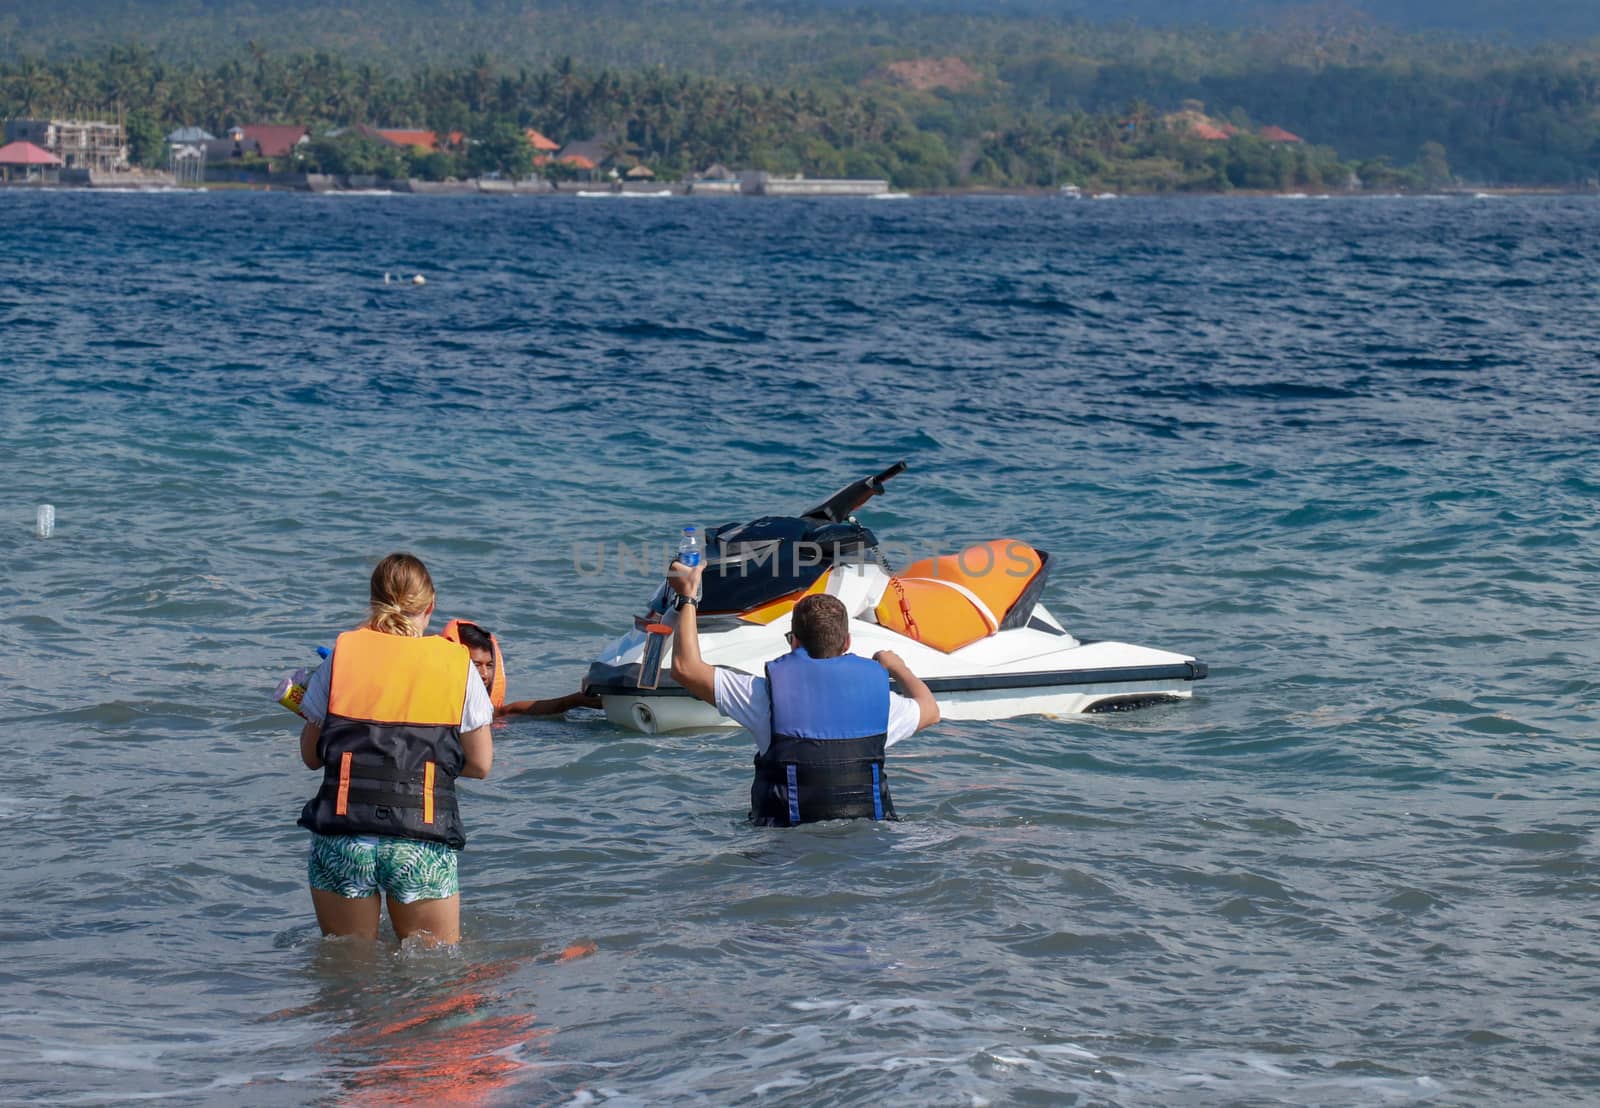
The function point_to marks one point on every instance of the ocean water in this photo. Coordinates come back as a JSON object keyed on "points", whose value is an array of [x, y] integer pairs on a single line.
{"points": [[1344, 451]]}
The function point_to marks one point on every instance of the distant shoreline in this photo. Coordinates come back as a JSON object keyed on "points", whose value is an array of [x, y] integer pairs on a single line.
{"points": [[682, 190]]}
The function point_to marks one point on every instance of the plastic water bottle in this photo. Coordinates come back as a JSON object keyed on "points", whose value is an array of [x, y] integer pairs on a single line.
{"points": [[45, 522], [689, 547], [292, 689]]}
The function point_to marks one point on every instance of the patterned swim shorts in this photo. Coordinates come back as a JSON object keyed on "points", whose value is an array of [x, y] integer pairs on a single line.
{"points": [[358, 866]]}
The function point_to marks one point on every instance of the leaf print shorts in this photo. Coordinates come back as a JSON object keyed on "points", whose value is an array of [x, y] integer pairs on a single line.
{"points": [[357, 866]]}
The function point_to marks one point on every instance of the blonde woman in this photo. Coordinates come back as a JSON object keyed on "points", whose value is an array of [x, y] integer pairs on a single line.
{"points": [[393, 719]]}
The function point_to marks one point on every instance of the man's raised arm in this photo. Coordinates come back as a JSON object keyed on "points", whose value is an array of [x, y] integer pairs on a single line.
{"points": [[688, 668]]}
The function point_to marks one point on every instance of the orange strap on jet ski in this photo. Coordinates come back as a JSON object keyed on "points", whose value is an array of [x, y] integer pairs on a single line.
{"points": [[905, 609], [497, 691]]}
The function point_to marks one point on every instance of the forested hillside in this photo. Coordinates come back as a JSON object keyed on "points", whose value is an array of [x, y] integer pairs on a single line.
{"points": [[928, 95], [1524, 21], [723, 35]]}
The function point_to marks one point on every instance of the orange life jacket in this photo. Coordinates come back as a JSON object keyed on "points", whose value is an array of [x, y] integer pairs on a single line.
{"points": [[497, 691], [391, 741]]}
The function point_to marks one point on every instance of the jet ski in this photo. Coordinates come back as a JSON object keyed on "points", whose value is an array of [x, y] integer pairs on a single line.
{"points": [[970, 624]]}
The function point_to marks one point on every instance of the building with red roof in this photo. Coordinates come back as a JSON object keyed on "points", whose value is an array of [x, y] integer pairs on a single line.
{"points": [[1278, 134], [27, 162], [26, 153], [423, 142], [1208, 131], [540, 143], [90, 144], [274, 139]]}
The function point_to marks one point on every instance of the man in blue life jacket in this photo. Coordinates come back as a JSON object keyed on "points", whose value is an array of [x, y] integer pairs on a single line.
{"points": [[821, 717]]}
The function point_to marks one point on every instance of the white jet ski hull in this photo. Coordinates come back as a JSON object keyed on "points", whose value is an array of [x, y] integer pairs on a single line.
{"points": [[1003, 654], [1030, 671]]}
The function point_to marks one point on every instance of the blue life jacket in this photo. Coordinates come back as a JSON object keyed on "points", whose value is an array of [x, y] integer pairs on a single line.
{"points": [[830, 719]]}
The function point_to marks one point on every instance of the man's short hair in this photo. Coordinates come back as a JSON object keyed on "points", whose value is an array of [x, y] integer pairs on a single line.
{"points": [[821, 625]]}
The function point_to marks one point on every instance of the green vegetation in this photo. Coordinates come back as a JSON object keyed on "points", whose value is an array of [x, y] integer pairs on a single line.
{"points": [[355, 154], [681, 84]]}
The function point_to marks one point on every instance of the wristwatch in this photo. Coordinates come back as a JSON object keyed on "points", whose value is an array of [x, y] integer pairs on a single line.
{"points": [[687, 601]]}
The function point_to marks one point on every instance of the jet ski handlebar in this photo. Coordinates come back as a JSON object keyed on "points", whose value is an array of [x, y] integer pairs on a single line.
{"points": [[842, 504]]}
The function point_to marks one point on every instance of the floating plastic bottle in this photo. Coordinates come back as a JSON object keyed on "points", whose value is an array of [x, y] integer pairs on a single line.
{"points": [[46, 525], [689, 547]]}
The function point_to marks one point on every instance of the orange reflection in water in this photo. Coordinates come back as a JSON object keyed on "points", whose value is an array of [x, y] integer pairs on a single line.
{"points": [[445, 1052]]}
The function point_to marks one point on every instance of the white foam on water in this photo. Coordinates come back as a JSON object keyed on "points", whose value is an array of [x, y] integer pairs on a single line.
{"points": [[924, 836], [131, 1058], [782, 1082], [1264, 1066], [1013, 1060], [917, 1061], [895, 1010], [1067, 1050], [1253, 1077], [817, 1005]]}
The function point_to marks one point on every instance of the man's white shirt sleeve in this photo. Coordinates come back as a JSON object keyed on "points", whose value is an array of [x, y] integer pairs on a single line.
{"points": [[743, 699], [904, 715]]}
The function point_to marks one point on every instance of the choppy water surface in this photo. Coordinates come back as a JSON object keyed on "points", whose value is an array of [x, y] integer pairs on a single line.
{"points": [[1343, 451]]}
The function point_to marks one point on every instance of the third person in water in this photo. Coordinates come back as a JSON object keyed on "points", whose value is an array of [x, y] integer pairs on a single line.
{"points": [[486, 659], [821, 717]]}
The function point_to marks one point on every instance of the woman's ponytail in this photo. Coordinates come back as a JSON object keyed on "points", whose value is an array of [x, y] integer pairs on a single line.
{"points": [[402, 592]]}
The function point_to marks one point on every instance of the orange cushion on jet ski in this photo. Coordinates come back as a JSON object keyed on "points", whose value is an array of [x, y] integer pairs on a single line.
{"points": [[952, 601]]}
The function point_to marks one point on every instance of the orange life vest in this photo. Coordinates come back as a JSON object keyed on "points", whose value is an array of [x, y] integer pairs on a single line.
{"points": [[391, 741], [497, 691]]}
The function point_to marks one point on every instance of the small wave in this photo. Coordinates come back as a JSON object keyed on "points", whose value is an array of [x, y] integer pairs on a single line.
{"points": [[1048, 305], [666, 332], [1499, 724]]}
